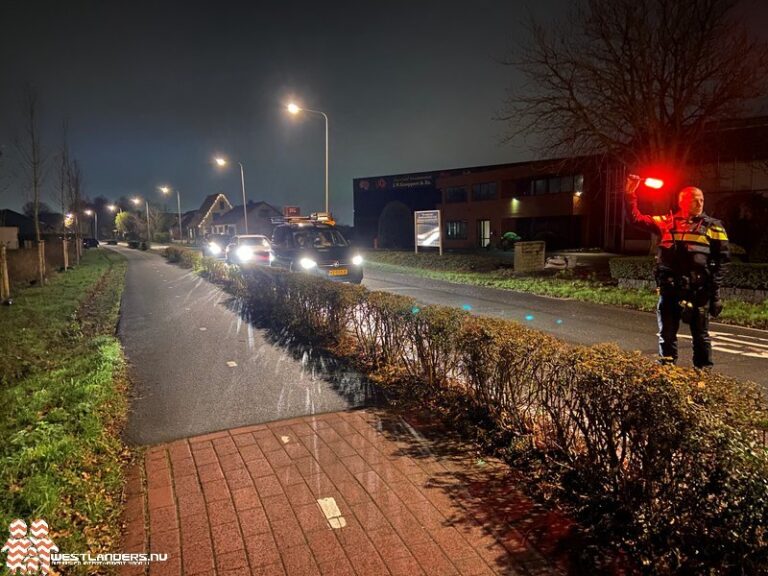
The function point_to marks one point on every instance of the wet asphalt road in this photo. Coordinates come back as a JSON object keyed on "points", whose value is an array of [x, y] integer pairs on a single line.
{"points": [[738, 352], [179, 333]]}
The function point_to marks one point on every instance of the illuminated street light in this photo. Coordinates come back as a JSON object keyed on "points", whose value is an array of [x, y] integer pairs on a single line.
{"points": [[295, 109], [166, 190], [137, 201], [223, 162], [93, 213]]}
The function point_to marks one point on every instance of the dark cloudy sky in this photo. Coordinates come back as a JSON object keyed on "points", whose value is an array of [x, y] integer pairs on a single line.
{"points": [[152, 90]]}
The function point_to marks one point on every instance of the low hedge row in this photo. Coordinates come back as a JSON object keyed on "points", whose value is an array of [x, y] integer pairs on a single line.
{"points": [[737, 274], [449, 262], [664, 461]]}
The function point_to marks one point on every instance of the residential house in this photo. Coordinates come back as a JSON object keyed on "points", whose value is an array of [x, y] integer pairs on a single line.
{"points": [[260, 215], [201, 222]]}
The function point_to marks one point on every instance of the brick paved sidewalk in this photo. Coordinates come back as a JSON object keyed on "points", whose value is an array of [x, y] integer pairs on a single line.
{"points": [[357, 492]]}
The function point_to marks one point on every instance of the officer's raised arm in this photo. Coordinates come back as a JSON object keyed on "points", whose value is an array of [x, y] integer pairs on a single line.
{"points": [[634, 215]]}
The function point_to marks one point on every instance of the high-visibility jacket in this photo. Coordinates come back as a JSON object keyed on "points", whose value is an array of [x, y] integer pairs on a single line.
{"points": [[695, 245]]}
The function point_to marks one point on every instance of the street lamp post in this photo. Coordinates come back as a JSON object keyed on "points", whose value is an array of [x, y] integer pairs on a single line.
{"points": [[165, 190], [294, 109], [223, 162], [137, 201], [93, 213]]}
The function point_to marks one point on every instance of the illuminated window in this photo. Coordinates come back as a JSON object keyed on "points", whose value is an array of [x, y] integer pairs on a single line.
{"points": [[457, 194], [456, 230]]}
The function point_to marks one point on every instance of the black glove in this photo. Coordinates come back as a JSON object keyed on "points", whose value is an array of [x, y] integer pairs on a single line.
{"points": [[715, 307]]}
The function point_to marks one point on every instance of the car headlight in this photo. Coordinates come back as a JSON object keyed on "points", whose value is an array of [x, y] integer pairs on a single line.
{"points": [[357, 260], [214, 248], [307, 263], [244, 253]]}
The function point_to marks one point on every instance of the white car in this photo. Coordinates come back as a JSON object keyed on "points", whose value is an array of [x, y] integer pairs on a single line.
{"points": [[246, 249]]}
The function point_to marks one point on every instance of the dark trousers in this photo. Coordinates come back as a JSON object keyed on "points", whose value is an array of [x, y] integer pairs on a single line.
{"points": [[668, 315]]}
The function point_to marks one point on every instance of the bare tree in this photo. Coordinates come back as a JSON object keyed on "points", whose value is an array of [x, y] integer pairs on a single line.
{"points": [[63, 172], [33, 162], [639, 80], [75, 198]]}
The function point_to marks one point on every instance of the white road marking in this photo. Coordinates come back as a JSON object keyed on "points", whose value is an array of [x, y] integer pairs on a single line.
{"points": [[734, 344], [232, 364], [285, 439], [332, 512], [203, 329]]}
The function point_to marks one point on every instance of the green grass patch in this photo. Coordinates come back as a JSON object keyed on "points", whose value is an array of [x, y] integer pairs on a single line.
{"points": [[63, 405], [559, 285]]}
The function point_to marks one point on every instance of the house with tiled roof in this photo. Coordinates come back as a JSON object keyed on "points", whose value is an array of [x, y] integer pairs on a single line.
{"points": [[260, 215], [200, 222]]}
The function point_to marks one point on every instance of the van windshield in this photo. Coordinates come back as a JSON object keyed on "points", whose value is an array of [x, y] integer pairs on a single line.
{"points": [[319, 238]]}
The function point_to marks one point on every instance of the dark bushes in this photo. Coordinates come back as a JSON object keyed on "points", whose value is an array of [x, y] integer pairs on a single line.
{"points": [[737, 275]]}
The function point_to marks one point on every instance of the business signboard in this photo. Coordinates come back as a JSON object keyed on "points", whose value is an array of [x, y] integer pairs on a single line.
{"points": [[427, 229]]}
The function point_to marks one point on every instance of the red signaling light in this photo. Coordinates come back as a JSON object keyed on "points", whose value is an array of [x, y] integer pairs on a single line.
{"points": [[654, 183]]}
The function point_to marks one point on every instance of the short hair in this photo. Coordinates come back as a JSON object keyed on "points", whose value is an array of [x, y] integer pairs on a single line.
{"points": [[688, 191]]}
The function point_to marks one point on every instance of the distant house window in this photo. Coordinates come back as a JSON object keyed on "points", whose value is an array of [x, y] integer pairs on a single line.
{"points": [[484, 191], [457, 194], [456, 230]]}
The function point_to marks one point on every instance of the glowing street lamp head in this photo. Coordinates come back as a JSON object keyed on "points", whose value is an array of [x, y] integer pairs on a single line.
{"points": [[89, 212], [111, 207], [293, 108], [136, 201], [164, 189], [221, 161]]}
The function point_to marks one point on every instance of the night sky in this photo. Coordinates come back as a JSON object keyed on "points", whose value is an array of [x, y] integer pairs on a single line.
{"points": [[153, 90]]}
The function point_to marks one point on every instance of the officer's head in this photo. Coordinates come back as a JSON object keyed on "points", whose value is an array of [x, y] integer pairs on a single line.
{"points": [[691, 201]]}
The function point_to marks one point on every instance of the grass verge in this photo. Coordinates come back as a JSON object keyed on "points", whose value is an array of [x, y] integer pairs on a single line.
{"points": [[561, 286], [63, 405]]}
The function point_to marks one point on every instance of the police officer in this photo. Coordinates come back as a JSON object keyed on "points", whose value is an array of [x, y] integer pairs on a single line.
{"points": [[692, 251]]}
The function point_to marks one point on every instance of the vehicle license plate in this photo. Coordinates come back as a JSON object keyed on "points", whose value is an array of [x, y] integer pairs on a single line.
{"points": [[338, 272]]}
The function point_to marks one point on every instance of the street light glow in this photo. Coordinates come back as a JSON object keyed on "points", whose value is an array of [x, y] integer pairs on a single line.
{"points": [[221, 161], [164, 189], [89, 212], [293, 108], [111, 207], [136, 201]]}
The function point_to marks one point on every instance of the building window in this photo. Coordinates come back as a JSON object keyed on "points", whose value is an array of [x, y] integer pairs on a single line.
{"points": [[524, 187], [540, 186], [484, 191], [456, 230], [457, 194], [483, 233], [578, 183]]}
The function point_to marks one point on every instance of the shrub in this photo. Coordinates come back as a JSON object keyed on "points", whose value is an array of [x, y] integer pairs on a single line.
{"points": [[737, 274], [448, 262], [662, 460]]}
